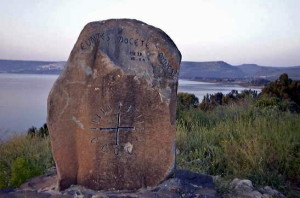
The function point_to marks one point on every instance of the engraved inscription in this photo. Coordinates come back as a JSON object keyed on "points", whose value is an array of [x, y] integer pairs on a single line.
{"points": [[96, 38], [166, 65], [134, 42], [105, 37], [137, 56], [135, 53], [116, 128]]}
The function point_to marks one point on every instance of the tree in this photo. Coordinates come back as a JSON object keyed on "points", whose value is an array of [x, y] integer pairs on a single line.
{"points": [[211, 101], [285, 91], [283, 88], [186, 101]]}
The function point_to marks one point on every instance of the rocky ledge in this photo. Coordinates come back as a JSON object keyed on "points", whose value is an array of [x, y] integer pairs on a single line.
{"points": [[183, 183], [244, 188]]}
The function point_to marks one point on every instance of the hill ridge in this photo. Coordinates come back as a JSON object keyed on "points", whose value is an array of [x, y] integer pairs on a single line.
{"points": [[223, 70], [189, 69]]}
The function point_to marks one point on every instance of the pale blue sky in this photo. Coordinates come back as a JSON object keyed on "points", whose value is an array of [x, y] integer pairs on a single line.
{"points": [[266, 32]]}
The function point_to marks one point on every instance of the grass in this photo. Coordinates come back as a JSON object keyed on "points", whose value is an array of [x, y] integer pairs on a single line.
{"points": [[23, 157], [242, 141]]}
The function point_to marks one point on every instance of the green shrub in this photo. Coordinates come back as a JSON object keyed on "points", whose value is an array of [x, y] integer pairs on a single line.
{"points": [[277, 103], [185, 101], [211, 101], [283, 88], [22, 169], [4, 181], [23, 157], [283, 93]]}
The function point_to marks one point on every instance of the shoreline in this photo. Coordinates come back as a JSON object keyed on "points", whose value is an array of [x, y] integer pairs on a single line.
{"points": [[240, 83]]}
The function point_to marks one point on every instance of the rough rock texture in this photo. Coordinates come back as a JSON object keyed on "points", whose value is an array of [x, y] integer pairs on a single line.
{"points": [[111, 113], [181, 184], [244, 188]]}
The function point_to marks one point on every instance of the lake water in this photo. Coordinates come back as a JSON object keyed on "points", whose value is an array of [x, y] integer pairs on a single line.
{"points": [[23, 99], [200, 89]]}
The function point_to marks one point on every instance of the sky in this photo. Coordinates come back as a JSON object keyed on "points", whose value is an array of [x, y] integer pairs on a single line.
{"points": [[264, 32]]}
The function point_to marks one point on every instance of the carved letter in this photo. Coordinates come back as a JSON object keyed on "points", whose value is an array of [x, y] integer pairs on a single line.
{"points": [[130, 41], [88, 42], [136, 42], [82, 46], [102, 36]]}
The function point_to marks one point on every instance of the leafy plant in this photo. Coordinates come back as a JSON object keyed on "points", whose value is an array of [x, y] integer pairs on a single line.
{"points": [[23, 157], [22, 169]]}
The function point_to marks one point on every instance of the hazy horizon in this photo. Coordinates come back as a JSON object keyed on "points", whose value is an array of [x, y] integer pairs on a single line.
{"points": [[258, 32], [181, 61]]}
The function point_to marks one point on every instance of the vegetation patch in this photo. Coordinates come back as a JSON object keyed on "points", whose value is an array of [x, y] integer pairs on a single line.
{"points": [[23, 157], [244, 135]]}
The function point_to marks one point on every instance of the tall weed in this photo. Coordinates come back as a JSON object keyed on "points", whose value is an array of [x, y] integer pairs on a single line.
{"points": [[242, 141]]}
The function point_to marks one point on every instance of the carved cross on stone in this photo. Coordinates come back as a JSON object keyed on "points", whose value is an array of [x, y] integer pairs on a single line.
{"points": [[117, 130]]}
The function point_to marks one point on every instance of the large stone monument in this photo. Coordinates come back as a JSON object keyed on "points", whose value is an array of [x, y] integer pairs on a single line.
{"points": [[111, 112]]}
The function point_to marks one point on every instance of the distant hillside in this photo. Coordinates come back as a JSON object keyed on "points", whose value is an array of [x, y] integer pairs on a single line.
{"points": [[223, 70], [272, 73], [30, 67], [218, 69], [189, 70]]}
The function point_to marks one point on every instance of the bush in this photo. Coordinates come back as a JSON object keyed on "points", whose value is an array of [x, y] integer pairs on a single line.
{"points": [[211, 101], [286, 91], [20, 171], [23, 157], [4, 181], [23, 169], [186, 101]]}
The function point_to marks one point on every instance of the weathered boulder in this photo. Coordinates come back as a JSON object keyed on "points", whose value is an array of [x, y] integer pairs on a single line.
{"points": [[111, 112]]}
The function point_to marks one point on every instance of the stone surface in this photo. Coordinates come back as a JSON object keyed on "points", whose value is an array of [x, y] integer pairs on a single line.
{"points": [[269, 191], [111, 112], [244, 188], [181, 184]]}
